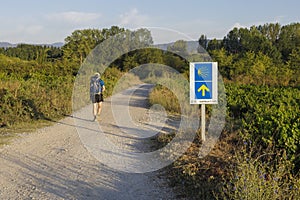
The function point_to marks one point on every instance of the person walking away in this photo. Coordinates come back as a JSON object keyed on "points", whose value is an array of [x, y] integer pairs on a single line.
{"points": [[97, 87]]}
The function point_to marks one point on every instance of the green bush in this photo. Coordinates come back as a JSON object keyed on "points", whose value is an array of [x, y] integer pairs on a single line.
{"points": [[270, 116], [41, 97]]}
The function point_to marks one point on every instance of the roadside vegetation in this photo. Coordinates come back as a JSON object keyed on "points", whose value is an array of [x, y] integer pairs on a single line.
{"points": [[257, 156]]}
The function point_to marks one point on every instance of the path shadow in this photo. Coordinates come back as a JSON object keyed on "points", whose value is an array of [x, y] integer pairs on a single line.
{"points": [[74, 178]]}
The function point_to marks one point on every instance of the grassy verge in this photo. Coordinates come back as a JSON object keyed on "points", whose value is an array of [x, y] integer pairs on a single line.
{"points": [[239, 166], [163, 96], [260, 175]]}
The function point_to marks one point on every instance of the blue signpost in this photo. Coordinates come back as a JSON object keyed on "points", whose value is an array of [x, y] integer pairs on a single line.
{"points": [[203, 83], [203, 87]]}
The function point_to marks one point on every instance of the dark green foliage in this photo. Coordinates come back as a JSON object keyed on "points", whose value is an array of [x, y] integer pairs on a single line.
{"points": [[279, 44], [30, 91], [289, 39], [150, 55], [41, 54], [257, 39], [214, 45], [270, 115], [203, 42]]}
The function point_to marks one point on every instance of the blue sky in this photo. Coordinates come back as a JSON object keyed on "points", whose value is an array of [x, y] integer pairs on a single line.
{"points": [[38, 21]]}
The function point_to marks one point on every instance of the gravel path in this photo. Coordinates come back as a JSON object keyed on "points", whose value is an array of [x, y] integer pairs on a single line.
{"points": [[53, 163]]}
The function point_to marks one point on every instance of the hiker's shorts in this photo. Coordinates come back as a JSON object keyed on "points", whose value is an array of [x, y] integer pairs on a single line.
{"points": [[97, 98]]}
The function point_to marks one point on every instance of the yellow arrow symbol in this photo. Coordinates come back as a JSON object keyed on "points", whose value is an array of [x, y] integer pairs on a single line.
{"points": [[203, 88]]}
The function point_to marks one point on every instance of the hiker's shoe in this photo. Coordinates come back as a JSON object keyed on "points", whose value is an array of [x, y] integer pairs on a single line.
{"points": [[94, 118]]}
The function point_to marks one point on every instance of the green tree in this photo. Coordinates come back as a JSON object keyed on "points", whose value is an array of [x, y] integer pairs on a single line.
{"points": [[294, 65], [42, 55], [175, 62], [270, 31], [129, 62], [232, 42], [34, 52], [261, 68], [179, 47], [108, 32], [80, 43], [225, 62], [149, 55], [54, 54], [241, 68], [214, 45], [289, 39], [256, 39], [203, 42]]}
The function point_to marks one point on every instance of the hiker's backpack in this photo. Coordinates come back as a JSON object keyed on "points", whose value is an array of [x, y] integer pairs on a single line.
{"points": [[95, 86]]}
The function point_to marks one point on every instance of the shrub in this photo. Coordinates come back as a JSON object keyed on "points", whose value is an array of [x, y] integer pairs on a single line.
{"points": [[260, 176], [270, 116]]}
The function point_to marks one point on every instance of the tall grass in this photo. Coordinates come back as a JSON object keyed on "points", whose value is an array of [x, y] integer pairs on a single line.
{"points": [[166, 98], [264, 176]]}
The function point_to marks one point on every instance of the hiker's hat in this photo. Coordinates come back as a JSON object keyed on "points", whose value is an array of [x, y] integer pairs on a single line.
{"points": [[97, 74]]}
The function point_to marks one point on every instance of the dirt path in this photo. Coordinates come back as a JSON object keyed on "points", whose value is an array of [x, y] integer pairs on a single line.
{"points": [[53, 163]]}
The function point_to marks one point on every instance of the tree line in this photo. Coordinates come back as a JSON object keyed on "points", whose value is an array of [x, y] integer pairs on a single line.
{"points": [[39, 53], [267, 54]]}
